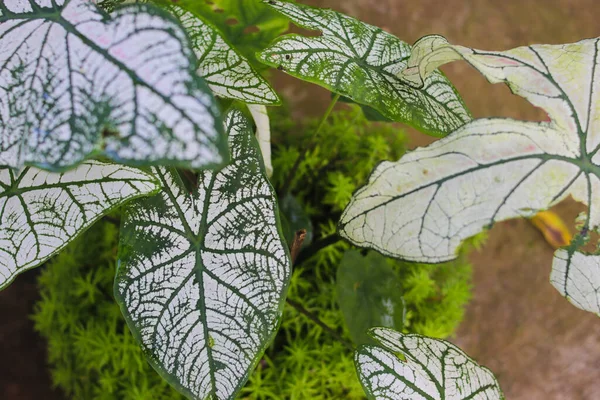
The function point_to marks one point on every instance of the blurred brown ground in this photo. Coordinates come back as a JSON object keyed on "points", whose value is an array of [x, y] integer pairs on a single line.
{"points": [[539, 345]]}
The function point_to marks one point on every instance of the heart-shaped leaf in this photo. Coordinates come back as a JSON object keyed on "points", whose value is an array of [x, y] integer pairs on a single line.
{"points": [[422, 207], [416, 367], [41, 212], [202, 275], [226, 71], [74, 82], [369, 294], [362, 62]]}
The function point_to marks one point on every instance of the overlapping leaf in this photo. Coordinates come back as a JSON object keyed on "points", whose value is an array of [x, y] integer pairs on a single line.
{"points": [[362, 62], [430, 369], [369, 294], [202, 275], [247, 25], [577, 277], [40, 212], [422, 207], [68, 74], [226, 71]]}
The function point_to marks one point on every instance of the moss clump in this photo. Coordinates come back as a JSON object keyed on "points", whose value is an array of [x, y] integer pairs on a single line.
{"points": [[94, 356]]}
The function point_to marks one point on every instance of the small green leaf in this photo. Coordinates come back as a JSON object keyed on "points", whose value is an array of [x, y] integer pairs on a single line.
{"points": [[362, 63], [41, 212], [369, 294], [202, 275], [225, 70], [416, 367], [423, 206], [75, 83]]}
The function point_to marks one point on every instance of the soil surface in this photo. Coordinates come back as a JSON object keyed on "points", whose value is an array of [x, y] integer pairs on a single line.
{"points": [[538, 345]]}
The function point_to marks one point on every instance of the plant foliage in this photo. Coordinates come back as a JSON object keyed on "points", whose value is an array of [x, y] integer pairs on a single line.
{"points": [[76, 83], [362, 62], [202, 275], [420, 368], [493, 169]]}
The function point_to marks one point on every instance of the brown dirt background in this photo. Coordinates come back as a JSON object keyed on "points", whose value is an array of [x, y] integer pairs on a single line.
{"points": [[538, 345]]}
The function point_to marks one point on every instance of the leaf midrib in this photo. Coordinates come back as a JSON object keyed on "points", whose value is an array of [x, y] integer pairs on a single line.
{"points": [[57, 17], [593, 169]]}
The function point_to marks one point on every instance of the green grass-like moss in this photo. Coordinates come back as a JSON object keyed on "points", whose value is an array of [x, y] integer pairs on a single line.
{"points": [[93, 355]]}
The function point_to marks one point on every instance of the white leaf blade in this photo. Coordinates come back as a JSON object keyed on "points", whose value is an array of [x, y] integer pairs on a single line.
{"points": [[577, 277], [225, 70], [69, 73], [41, 212], [202, 276], [362, 62], [433, 369], [545, 162], [422, 207]]}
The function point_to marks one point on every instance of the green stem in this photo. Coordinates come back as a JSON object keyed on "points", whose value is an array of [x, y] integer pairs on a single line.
{"points": [[302, 156], [298, 307]]}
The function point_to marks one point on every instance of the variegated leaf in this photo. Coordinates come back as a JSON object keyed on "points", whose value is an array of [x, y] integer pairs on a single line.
{"points": [[577, 277], [422, 207], [415, 367], [74, 82], [248, 25], [41, 212], [362, 62], [202, 275], [227, 72]]}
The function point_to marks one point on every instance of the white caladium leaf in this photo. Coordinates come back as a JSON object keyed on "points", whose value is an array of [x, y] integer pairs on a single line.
{"points": [[202, 275], [41, 212], [362, 62], [225, 70], [422, 207], [415, 367], [577, 277], [74, 82]]}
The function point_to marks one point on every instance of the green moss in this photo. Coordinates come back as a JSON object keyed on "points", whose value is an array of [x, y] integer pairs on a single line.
{"points": [[93, 355]]}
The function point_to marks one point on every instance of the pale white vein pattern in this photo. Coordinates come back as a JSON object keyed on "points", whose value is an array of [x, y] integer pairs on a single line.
{"points": [[202, 275], [577, 277], [68, 72], [434, 370], [227, 72], [41, 212], [423, 206], [362, 62]]}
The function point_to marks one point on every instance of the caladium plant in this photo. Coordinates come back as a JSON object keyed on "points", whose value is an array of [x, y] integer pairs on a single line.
{"points": [[76, 84], [202, 275], [40, 211], [493, 169], [203, 263], [362, 62], [419, 368]]}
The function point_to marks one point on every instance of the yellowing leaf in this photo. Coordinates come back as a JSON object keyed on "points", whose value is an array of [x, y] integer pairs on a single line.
{"points": [[553, 228]]}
